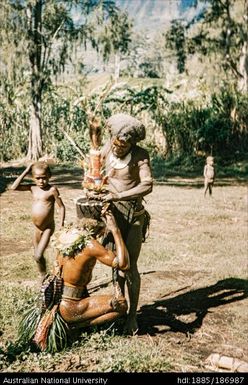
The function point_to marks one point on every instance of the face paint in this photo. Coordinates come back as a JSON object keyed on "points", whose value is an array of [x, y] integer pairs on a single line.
{"points": [[120, 148]]}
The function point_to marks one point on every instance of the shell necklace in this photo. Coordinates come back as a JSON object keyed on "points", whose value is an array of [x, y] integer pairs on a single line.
{"points": [[118, 163]]}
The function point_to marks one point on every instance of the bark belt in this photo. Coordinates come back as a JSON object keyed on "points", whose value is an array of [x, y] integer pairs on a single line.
{"points": [[75, 293]]}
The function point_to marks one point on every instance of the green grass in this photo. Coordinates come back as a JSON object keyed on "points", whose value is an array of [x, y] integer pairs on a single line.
{"points": [[187, 167]]}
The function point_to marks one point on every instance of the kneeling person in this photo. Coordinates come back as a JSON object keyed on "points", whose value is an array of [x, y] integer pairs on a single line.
{"points": [[65, 300], [76, 306]]}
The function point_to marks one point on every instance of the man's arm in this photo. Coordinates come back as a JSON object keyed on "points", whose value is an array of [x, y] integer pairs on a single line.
{"points": [[107, 257], [120, 259], [16, 185]]}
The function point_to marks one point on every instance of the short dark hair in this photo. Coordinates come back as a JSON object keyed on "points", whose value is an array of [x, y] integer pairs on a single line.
{"points": [[41, 166]]}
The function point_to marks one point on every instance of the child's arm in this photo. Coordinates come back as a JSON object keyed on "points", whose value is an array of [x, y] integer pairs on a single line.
{"points": [[16, 185], [61, 206]]}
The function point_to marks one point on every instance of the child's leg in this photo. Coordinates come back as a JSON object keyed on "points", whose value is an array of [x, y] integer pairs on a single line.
{"points": [[206, 185], [36, 239], [41, 242], [210, 189]]}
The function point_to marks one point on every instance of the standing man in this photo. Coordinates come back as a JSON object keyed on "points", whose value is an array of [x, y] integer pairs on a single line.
{"points": [[129, 180]]}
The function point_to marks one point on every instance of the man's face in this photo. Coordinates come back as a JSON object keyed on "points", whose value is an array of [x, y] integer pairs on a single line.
{"points": [[120, 148]]}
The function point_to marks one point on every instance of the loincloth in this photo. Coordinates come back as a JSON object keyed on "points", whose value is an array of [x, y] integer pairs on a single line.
{"points": [[126, 214]]}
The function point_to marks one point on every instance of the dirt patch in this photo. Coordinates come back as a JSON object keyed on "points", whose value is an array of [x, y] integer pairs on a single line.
{"points": [[7, 247]]}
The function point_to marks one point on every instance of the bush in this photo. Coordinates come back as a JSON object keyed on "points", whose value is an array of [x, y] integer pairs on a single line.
{"points": [[190, 128]]}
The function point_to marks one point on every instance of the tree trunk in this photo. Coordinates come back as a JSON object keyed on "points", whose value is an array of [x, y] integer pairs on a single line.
{"points": [[35, 142], [243, 69], [243, 61], [35, 51]]}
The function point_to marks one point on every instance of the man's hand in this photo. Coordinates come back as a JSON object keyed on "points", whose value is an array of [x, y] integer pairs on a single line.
{"points": [[110, 221], [94, 195], [110, 197]]}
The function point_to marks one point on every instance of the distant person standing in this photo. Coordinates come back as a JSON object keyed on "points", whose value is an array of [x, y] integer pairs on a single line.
{"points": [[44, 198], [209, 175]]}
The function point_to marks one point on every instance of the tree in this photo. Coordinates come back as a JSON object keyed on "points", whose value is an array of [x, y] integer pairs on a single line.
{"points": [[220, 30], [46, 31], [115, 39], [147, 56], [175, 40]]}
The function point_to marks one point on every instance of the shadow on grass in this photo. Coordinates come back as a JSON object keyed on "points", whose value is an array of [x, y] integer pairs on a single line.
{"points": [[72, 176], [61, 176], [199, 184], [160, 317], [154, 318], [7, 176]]}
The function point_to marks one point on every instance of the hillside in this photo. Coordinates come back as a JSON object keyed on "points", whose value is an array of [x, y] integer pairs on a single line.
{"points": [[155, 15], [151, 13]]}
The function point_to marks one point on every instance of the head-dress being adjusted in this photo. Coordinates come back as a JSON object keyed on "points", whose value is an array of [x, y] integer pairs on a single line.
{"points": [[126, 128]]}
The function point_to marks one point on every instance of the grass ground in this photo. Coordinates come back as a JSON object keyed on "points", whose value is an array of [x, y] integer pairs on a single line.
{"points": [[194, 271]]}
